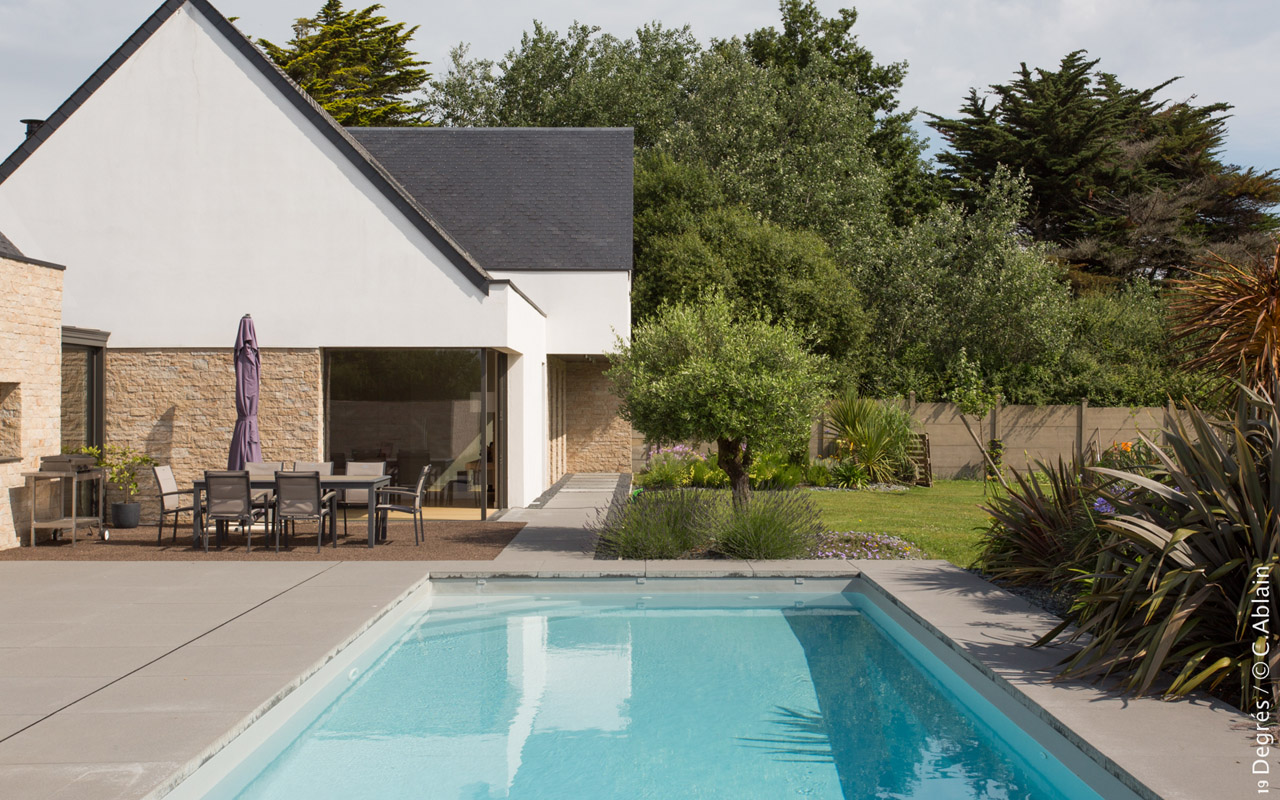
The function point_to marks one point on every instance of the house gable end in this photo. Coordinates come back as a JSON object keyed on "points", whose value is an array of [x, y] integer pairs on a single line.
{"points": [[404, 202]]}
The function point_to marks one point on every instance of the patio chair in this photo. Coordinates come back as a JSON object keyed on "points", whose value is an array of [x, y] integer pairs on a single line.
{"points": [[229, 498], [258, 470], [322, 467], [406, 500], [298, 497], [359, 497], [170, 500]]}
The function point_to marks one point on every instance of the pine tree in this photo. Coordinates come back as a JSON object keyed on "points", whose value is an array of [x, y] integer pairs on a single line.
{"points": [[1122, 185], [357, 65]]}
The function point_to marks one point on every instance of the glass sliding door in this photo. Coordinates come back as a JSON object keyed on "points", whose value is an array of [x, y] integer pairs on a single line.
{"points": [[416, 408]]}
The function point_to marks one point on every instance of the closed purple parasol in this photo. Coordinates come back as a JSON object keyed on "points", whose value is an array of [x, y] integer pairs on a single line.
{"points": [[245, 446]]}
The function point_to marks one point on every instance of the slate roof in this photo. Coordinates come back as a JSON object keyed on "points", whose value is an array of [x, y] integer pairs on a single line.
{"points": [[519, 198], [7, 248]]}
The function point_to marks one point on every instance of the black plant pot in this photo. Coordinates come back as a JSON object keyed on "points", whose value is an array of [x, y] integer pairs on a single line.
{"points": [[125, 515]]}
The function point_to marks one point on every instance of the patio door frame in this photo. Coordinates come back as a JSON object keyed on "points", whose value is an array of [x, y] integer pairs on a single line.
{"points": [[501, 415]]}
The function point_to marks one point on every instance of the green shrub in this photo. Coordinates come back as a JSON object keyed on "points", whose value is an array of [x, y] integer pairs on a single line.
{"points": [[1044, 531], [668, 469], [878, 435], [769, 525], [658, 524], [819, 472], [849, 474], [705, 474], [1193, 552], [772, 472]]}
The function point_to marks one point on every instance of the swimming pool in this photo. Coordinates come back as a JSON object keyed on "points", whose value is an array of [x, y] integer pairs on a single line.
{"points": [[530, 691]]}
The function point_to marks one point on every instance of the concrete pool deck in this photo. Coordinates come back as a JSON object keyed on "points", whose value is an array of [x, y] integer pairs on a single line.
{"points": [[118, 678]]}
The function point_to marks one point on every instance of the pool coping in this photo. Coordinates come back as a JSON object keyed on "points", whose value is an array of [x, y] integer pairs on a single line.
{"points": [[393, 608], [1187, 749]]}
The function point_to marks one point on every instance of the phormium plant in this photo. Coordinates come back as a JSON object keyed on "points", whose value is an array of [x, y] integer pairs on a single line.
{"points": [[1176, 596], [1044, 530]]}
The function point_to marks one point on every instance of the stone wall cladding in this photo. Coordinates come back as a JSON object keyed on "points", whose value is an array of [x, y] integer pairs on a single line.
{"points": [[596, 438], [75, 379], [555, 418], [179, 407], [31, 357]]}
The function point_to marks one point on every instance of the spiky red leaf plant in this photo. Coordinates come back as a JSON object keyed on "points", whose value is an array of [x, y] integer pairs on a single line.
{"points": [[1228, 320]]}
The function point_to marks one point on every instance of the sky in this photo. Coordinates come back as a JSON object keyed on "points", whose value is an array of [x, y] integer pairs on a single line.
{"points": [[1225, 50]]}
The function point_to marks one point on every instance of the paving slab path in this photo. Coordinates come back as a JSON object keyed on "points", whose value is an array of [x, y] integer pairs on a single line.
{"points": [[114, 675]]}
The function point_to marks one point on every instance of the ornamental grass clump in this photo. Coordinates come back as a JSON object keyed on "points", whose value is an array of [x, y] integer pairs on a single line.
{"points": [[658, 524], [1184, 595], [769, 525], [876, 435]]}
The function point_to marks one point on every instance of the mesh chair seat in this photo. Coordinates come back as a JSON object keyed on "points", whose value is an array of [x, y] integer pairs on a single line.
{"points": [[229, 498], [173, 501], [406, 500], [298, 496], [359, 497], [264, 470]]}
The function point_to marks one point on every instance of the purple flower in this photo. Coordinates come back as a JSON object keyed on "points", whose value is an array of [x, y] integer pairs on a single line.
{"points": [[1103, 507]]}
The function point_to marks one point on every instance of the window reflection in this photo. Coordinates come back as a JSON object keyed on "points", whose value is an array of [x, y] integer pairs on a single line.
{"points": [[415, 408]]}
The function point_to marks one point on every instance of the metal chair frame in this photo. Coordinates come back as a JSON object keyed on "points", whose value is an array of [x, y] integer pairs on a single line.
{"points": [[299, 497], [231, 507], [170, 497], [385, 504], [362, 468]]}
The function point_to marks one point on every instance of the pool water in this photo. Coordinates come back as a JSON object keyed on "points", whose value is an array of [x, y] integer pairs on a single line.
{"points": [[601, 697]]}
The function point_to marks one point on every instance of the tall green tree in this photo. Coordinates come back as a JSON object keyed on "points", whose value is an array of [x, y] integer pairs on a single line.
{"points": [[966, 280], [710, 372], [1122, 184], [689, 240], [789, 137], [575, 79], [810, 45], [357, 65]]}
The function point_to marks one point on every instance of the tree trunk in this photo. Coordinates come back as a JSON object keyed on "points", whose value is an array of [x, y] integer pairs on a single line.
{"points": [[735, 460], [985, 455]]}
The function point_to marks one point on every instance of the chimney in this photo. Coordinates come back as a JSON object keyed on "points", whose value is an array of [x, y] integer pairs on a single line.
{"points": [[33, 125]]}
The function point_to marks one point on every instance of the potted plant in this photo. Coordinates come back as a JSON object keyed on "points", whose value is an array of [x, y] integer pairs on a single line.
{"points": [[122, 465]]}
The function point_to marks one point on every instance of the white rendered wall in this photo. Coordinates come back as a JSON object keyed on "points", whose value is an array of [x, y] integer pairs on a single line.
{"points": [[526, 403], [187, 191], [586, 311]]}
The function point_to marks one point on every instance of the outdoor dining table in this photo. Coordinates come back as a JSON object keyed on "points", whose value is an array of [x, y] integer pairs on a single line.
{"points": [[327, 482]]}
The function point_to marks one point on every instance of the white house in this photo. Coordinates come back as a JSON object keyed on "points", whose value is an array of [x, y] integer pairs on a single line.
{"points": [[421, 295]]}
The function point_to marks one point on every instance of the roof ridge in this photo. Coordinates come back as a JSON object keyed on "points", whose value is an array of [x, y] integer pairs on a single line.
{"points": [[495, 128]]}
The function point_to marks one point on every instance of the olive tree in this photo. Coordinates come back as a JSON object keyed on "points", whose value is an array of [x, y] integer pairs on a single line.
{"points": [[707, 372]]}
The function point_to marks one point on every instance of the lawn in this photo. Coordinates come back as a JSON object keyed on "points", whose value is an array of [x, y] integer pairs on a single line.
{"points": [[943, 520]]}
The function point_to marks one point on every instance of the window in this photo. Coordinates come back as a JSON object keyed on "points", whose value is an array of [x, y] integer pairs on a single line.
{"points": [[10, 422], [82, 388], [417, 407]]}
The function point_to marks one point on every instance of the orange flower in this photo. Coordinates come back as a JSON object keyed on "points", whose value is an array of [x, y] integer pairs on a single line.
{"points": [[1126, 446]]}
